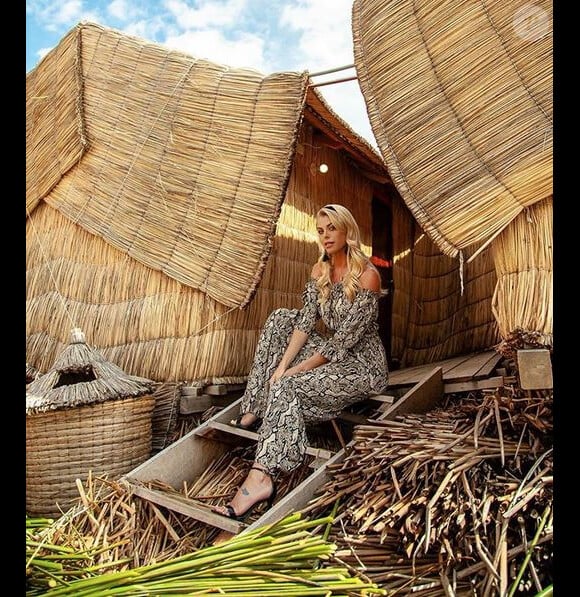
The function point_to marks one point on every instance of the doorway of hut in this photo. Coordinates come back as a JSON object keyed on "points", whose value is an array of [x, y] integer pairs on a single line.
{"points": [[382, 257]]}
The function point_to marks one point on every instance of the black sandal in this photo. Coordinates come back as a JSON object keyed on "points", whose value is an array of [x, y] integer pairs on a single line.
{"points": [[253, 426], [231, 513]]}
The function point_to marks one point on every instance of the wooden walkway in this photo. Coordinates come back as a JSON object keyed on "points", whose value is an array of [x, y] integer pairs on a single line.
{"points": [[464, 368]]}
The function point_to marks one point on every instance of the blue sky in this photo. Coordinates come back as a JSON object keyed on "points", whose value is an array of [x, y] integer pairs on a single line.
{"points": [[268, 35]]}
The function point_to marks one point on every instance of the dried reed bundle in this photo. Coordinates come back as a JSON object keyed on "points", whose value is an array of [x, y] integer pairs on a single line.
{"points": [[524, 296], [456, 493], [189, 153], [459, 96]]}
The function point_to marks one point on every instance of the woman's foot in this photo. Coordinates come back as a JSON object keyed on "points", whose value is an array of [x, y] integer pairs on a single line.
{"points": [[256, 488], [247, 421]]}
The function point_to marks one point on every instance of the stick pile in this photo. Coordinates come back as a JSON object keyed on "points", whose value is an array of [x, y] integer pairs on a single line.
{"points": [[457, 499]]}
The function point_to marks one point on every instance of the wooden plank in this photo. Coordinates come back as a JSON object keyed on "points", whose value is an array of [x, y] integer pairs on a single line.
{"points": [[488, 368], [383, 398], [420, 398], [476, 384], [187, 506], [191, 390], [188, 457], [216, 390], [413, 375], [467, 370], [300, 495]]}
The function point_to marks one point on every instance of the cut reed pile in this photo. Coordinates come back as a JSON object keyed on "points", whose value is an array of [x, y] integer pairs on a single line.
{"points": [[136, 532], [284, 558], [109, 533], [459, 96], [456, 501]]}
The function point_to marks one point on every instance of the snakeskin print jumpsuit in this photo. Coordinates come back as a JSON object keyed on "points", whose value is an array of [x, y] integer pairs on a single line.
{"points": [[357, 366]]}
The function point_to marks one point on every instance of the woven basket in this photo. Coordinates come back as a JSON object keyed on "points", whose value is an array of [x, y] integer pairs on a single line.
{"points": [[109, 438]]}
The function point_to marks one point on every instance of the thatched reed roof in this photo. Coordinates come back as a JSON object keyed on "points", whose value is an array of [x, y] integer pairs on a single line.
{"points": [[459, 96], [318, 112], [81, 376], [175, 161]]}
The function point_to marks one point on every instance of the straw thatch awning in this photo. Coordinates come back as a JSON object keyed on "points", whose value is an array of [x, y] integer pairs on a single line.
{"points": [[179, 163], [459, 96], [318, 112], [81, 376]]}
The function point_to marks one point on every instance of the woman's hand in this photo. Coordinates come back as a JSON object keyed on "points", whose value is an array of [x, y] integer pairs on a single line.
{"points": [[278, 374], [293, 370]]}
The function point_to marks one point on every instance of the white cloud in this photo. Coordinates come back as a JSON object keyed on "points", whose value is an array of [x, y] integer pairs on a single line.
{"points": [[325, 40], [56, 16], [209, 14], [42, 52], [122, 10], [245, 51], [53, 15]]}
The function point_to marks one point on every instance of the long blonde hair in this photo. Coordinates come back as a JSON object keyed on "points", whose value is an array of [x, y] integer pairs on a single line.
{"points": [[356, 260]]}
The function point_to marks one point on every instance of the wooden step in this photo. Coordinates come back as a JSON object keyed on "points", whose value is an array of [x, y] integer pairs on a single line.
{"points": [[213, 429], [189, 507], [190, 456]]}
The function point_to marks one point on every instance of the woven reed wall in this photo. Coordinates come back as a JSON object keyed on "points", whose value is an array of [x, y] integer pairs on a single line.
{"points": [[186, 160], [109, 438], [153, 326], [459, 96], [432, 319], [55, 127], [523, 257]]}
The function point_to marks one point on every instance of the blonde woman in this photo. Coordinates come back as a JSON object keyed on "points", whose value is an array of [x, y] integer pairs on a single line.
{"points": [[300, 377]]}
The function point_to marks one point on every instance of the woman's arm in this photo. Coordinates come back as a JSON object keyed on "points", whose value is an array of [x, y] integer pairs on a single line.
{"points": [[370, 280], [300, 336]]}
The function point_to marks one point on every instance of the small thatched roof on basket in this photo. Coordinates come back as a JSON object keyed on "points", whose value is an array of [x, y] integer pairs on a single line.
{"points": [[459, 96], [81, 376], [193, 155]]}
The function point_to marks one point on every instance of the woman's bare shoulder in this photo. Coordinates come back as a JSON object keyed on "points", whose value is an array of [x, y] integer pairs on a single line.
{"points": [[371, 279]]}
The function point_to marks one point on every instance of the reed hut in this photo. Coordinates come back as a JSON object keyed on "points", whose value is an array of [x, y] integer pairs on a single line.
{"points": [[85, 415], [171, 208], [459, 96]]}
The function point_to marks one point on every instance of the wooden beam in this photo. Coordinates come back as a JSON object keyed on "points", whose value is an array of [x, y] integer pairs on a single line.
{"points": [[187, 506], [421, 398], [194, 404], [476, 384]]}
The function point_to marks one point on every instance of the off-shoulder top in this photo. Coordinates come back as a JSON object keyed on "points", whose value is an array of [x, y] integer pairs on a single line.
{"points": [[353, 326]]}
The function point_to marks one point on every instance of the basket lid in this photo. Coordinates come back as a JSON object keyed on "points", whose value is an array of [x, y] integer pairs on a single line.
{"points": [[81, 376]]}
